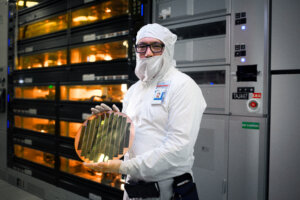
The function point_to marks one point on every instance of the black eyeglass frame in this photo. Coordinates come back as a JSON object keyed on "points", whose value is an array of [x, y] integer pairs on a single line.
{"points": [[149, 46]]}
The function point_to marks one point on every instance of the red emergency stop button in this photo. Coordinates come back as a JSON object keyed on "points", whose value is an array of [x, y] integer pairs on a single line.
{"points": [[253, 104]]}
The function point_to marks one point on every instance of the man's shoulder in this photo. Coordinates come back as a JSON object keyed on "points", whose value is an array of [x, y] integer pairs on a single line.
{"points": [[179, 79]]}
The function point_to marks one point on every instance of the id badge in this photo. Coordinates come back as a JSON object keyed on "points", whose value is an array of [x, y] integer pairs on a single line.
{"points": [[160, 92]]}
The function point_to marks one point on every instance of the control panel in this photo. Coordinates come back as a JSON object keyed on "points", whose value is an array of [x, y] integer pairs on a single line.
{"points": [[248, 60]]}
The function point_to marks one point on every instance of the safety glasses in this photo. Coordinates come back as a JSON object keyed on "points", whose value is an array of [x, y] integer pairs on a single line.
{"points": [[154, 47]]}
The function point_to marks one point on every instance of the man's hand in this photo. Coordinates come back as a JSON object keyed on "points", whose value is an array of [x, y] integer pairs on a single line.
{"points": [[111, 166], [103, 107]]}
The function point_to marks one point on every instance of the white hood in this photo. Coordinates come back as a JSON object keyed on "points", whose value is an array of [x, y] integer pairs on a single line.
{"points": [[148, 73]]}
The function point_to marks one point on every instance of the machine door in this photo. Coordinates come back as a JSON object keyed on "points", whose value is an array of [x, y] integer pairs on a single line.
{"points": [[167, 11], [247, 158], [210, 166], [284, 180], [214, 83]]}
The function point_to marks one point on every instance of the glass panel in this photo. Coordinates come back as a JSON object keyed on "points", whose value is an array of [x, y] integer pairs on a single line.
{"points": [[27, 3], [69, 129], [35, 92], [208, 77], [46, 26], [76, 168], [36, 156], [48, 59], [101, 11], [110, 93], [35, 124], [100, 52], [201, 30]]}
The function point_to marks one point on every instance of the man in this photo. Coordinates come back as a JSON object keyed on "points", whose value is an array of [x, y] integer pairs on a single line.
{"points": [[166, 107]]}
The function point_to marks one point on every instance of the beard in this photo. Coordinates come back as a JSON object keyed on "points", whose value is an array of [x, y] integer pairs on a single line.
{"points": [[147, 68]]}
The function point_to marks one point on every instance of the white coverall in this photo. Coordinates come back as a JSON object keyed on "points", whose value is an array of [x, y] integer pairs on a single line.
{"points": [[166, 130]]}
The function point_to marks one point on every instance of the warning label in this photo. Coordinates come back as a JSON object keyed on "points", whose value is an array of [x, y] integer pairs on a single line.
{"points": [[257, 95]]}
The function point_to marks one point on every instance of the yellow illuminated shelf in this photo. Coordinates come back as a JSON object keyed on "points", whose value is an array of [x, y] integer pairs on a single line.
{"points": [[69, 129], [76, 168], [42, 60], [35, 92], [99, 12], [36, 156], [41, 125], [108, 93], [43, 27], [100, 52]]}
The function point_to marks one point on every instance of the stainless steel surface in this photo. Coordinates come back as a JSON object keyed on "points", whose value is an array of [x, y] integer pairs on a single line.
{"points": [[211, 155], [255, 38], [247, 158], [216, 95], [204, 50], [284, 138], [167, 12], [285, 34], [240, 173]]}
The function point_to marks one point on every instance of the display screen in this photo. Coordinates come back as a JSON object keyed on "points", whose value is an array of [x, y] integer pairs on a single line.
{"points": [[99, 12], [35, 92], [41, 125], [69, 129], [43, 27], [47, 59], [108, 93], [76, 168], [100, 52], [36, 156]]}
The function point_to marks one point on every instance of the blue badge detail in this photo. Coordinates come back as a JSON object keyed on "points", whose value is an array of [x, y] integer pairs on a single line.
{"points": [[160, 92]]}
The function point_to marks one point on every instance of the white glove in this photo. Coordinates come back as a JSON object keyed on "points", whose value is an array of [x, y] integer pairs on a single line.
{"points": [[103, 107], [112, 166]]}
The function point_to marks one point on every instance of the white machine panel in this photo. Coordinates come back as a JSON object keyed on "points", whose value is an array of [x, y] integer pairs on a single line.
{"points": [[247, 158], [249, 58], [284, 180], [214, 83], [202, 42], [285, 44], [168, 11], [210, 166]]}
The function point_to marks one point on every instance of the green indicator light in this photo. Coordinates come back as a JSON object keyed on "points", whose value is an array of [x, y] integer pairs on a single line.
{"points": [[50, 86]]}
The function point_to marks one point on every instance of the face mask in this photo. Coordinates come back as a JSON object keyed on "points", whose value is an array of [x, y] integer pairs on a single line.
{"points": [[147, 68]]}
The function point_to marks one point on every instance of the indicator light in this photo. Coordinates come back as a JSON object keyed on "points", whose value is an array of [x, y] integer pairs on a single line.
{"points": [[243, 27], [243, 59], [142, 9]]}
